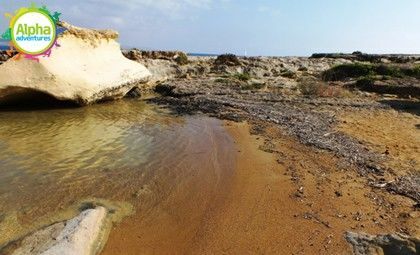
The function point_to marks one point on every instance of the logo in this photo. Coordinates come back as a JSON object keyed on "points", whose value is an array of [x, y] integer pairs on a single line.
{"points": [[32, 32]]}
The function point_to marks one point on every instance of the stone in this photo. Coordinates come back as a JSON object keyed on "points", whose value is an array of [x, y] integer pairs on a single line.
{"points": [[87, 67], [82, 235]]}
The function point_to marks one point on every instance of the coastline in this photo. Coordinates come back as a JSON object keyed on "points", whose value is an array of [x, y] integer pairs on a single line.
{"points": [[272, 205], [274, 170]]}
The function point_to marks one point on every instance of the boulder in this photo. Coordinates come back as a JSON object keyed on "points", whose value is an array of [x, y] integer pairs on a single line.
{"points": [[82, 235], [87, 67]]}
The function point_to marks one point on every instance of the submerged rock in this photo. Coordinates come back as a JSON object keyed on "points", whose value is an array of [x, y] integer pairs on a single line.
{"points": [[86, 68], [364, 244], [81, 235]]}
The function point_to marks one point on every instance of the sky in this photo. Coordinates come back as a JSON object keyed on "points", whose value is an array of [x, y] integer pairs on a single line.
{"points": [[252, 27]]}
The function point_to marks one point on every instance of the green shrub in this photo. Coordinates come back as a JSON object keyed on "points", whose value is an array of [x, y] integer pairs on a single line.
{"points": [[242, 76], [253, 86], [222, 80], [342, 72], [413, 72], [366, 81], [227, 59], [416, 71], [182, 59], [358, 70], [391, 71]]}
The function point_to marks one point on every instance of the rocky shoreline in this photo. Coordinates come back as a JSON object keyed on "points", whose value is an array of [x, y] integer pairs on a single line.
{"points": [[309, 100], [267, 89], [270, 90]]}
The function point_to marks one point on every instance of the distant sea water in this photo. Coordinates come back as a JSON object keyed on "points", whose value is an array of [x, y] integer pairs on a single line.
{"points": [[202, 55], [4, 45]]}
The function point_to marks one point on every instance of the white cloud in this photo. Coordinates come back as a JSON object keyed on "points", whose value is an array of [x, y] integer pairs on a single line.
{"points": [[173, 8]]}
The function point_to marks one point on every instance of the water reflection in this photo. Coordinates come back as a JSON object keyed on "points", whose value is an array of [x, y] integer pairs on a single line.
{"points": [[124, 151]]}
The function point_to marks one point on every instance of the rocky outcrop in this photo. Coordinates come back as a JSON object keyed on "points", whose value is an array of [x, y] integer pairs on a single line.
{"points": [[177, 56], [82, 235], [364, 244], [162, 64], [284, 70], [87, 67]]}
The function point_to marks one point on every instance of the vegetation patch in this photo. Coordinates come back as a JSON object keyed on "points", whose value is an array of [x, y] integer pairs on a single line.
{"points": [[182, 59], [366, 81], [310, 87], [253, 86], [242, 76], [345, 71], [358, 70], [413, 72], [227, 59], [222, 80]]}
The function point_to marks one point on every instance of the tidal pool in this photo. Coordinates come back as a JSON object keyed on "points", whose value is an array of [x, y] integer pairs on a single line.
{"points": [[124, 151]]}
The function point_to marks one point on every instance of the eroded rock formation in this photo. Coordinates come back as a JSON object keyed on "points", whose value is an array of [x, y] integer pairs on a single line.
{"points": [[86, 68]]}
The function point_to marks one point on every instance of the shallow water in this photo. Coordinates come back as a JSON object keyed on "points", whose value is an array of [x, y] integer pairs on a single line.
{"points": [[120, 151]]}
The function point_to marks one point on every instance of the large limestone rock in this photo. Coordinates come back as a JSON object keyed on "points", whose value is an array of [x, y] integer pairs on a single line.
{"points": [[82, 235], [86, 68]]}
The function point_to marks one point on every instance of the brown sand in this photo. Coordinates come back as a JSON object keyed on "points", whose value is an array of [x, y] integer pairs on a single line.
{"points": [[391, 133], [282, 198]]}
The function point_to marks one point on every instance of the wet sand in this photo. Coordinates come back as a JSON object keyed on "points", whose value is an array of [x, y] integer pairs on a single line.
{"points": [[283, 198]]}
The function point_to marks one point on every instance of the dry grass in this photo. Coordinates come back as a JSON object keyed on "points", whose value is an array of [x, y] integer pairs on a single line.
{"points": [[311, 87]]}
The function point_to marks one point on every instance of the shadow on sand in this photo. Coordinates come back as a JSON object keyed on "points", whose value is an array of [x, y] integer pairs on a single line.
{"points": [[404, 105]]}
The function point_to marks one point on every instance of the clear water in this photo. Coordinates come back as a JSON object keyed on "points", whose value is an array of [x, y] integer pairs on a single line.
{"points": [[118, 151]]}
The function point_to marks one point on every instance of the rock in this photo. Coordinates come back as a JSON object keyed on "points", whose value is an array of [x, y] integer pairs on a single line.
{"points": [[5, 55], [364, 244], [162, 64], [86, 68], [134, 93], [177, 56], [82, 235]]}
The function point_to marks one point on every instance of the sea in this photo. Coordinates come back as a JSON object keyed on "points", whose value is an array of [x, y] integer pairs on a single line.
{"points": [[4, 45]]}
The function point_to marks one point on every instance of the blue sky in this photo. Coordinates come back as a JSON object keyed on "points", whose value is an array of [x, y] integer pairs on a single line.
{"points": [[265, 27]]}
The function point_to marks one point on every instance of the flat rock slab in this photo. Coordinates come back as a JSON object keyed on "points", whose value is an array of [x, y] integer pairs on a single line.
{"points": [[78, 236]]}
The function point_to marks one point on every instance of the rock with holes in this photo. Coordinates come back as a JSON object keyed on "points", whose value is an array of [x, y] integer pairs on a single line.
{"points": [[87, 67]]}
